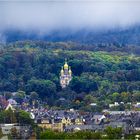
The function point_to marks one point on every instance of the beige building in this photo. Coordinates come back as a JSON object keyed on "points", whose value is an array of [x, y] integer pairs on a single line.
{"points": [[50, 124], [59, 124]]}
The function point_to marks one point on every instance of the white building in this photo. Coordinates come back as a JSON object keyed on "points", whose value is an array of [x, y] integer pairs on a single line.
{"points": [[65, 75]]}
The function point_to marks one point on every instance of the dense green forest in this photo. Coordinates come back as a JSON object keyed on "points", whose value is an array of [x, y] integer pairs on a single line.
{"points": [[102, 73]]}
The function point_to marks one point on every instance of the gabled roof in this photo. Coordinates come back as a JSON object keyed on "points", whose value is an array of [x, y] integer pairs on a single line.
{"points": [[99, 117], [9, 106]]}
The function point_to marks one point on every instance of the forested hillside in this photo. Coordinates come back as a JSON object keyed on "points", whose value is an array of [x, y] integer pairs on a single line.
{"points": [[102, 73]]}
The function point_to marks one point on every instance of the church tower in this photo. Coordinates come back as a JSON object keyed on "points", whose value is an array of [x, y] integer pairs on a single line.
{"points": [[65, 75]]}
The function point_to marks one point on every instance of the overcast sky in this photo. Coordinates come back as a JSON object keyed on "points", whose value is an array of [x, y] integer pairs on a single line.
{"points": [[63, 14]]}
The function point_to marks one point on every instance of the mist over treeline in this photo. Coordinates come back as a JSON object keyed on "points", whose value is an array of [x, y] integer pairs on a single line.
{"points": [[130, 36], [83, 21]]}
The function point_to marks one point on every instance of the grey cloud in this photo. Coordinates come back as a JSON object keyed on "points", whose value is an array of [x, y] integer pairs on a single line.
{"points": [[50, 15]]}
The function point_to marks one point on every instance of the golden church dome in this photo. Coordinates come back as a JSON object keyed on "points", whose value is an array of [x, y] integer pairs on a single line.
{"points": [[70, 72], [62, 71], [66, 65]]}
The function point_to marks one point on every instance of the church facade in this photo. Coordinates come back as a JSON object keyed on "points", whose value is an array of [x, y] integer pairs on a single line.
{"points": [[65, 75]]}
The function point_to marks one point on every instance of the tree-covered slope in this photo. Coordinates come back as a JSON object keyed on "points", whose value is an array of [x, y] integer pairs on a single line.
{"points": [[99, 72]]}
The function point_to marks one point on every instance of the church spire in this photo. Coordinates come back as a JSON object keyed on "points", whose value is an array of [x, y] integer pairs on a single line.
{"points": [[66, 64], [70, 72], [62, 71]]}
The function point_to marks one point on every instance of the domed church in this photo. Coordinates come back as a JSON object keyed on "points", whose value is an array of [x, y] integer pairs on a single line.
{"points": [[65, 75]]}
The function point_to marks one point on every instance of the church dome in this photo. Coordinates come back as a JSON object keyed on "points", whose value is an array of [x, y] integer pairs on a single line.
{"points": [[70, 72], [62, 71], [66, 65]]}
